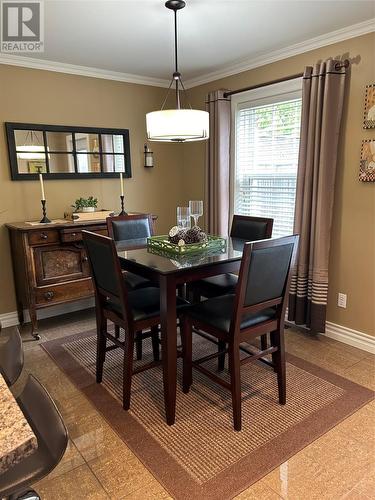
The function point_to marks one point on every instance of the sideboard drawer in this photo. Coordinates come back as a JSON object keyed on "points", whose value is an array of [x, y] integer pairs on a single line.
{"points": [[65, 292], [43, 237], [72, 235]]}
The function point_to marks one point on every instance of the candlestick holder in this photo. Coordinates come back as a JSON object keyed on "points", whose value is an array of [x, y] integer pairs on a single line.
{"points": [[122, 205], [45, 219]]}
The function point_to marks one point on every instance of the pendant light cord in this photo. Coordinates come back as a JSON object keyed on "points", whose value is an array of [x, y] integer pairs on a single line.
{"points": [[175, 42], [176, 75]]}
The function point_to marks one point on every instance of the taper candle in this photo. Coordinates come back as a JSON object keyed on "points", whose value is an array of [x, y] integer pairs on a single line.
{"points": [[42, 186], [122, 184]]}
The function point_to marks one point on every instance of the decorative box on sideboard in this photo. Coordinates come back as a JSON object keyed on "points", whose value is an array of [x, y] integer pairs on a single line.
{"points": [[50, 265]]}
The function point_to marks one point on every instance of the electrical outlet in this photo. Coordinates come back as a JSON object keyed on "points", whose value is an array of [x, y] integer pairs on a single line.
{"points": [[341, 300]]}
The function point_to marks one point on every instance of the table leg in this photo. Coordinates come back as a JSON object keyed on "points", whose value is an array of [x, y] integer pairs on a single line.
{"points": [[168, 321]]}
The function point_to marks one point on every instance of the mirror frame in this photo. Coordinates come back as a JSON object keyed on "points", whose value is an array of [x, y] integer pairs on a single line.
{"points": [[11, 127]]}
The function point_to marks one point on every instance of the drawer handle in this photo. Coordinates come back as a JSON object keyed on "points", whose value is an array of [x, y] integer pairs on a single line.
{"points": [[74, 235], [44, 236], [49, 295], [85, 259]]}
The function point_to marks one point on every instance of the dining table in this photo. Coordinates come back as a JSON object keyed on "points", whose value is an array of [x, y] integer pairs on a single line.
{"points": [[171, 271]]}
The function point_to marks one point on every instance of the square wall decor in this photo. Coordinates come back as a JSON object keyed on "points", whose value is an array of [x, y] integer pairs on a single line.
{"points": [[367, 163], [369, 114]]}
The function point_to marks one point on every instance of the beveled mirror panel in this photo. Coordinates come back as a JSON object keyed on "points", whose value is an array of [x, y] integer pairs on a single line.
{"points": [[60, 152], [112, 144], [59, 142], [60, 163]]}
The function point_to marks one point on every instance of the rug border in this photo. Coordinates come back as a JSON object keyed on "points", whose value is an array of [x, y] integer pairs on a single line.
{"points": [[239, 475]]}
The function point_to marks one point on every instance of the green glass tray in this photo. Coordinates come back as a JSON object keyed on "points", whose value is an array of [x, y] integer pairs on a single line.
{"points": [[162, 243]]}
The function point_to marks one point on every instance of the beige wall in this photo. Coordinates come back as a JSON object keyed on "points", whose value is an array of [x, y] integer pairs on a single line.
{"points": [[33, 96], [352, 262], [45, 97]]}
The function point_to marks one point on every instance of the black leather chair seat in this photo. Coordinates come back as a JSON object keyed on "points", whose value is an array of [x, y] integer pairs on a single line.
{"points": [[145, 303], [135, 282], [52, 436], [217, 285], [218, 312]]}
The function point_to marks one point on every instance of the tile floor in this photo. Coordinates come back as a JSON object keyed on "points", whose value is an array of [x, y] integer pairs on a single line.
{"points": [[99, 465]]}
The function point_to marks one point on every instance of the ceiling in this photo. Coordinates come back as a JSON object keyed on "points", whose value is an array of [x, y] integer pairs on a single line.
{"points": [[136, 37]]}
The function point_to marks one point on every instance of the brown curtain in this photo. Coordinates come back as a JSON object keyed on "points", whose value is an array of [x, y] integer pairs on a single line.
{"points": [[217, 163], [322, 104]]}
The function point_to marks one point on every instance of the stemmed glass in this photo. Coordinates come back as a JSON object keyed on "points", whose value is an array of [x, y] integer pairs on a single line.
{"points": [[183, 217], [196, 210]]}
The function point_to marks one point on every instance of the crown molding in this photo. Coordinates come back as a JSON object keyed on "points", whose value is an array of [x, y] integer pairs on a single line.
{"points": [[339, 35], [71, 69], [238, 67]]}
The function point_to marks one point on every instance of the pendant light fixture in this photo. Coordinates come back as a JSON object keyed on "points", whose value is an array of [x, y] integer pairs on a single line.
{"points": [[179, 124]]}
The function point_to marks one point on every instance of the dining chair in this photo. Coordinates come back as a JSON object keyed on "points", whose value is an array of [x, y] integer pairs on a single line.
{"points": [[52, 436], [11, 357], [132, 310], [257, 308], [246, 228], [131, 227], [125, 228]]}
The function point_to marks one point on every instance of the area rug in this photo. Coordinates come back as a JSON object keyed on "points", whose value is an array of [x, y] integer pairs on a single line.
{"points": [[201, 456]]}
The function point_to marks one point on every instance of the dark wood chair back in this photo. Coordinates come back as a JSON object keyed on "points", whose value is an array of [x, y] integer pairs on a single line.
{"points": [[264, 277], [109, 285], [251, 228], [130, 227]]}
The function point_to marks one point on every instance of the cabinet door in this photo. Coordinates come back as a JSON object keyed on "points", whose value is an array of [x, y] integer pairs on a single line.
{"points": [[60, 263]]}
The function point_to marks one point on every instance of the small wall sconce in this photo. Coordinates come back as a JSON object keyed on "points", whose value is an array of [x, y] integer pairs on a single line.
{"points": [[149, 157]]}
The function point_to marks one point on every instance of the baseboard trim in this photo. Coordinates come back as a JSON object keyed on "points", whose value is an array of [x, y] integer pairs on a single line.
{"points": [[340, 333], [351, 337], [11, 319]]}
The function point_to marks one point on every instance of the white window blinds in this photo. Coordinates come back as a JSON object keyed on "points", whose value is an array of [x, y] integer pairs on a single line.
{"points": [[266, 160]]}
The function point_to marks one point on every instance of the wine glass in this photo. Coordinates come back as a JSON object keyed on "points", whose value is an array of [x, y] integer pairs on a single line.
{"points": [[183, 217], [196, 210]]}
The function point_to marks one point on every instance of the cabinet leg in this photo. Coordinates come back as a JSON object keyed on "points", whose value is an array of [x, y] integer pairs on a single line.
{"points": [[21, 317], [34, 323]]}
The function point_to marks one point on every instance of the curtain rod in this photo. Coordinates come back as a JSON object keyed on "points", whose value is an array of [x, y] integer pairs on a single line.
{"points": [[338, 66]]}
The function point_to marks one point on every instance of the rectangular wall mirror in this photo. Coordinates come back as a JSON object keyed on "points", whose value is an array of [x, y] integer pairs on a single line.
{"points": [[61, 152]]}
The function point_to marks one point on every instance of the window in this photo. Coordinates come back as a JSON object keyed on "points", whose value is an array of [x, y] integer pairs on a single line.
{"points": [[266, 141]]}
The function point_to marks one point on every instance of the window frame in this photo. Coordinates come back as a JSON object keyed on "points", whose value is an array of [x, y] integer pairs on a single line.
{"points": [[277, 92]]}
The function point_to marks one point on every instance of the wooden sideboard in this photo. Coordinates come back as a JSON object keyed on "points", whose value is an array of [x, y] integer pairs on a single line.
{"points": [[50, 265]]}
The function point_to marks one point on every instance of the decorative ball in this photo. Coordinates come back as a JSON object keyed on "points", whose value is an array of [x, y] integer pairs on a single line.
{"points": [[195, 235], [176, 234], [173, 231], [181, 237]]}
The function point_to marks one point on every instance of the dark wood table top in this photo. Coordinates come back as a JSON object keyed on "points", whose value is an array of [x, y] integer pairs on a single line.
{"points": [[165, 263], [24, 226], [59, 223]]}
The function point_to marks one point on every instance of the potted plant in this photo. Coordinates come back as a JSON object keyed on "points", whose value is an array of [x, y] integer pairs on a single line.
{"points": [[85, 204]]}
